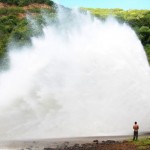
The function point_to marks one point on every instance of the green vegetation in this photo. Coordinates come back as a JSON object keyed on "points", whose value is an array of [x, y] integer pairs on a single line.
{"points": [[26, 2], [142, 143], [14, 24], [139, 20]]}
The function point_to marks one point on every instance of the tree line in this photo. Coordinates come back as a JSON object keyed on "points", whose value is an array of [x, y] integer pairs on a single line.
{"points": [[14, 24], [26, 2]]}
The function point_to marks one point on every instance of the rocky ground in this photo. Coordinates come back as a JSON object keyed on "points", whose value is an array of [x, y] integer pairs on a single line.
{"points": [[84, 143], [104, 145]]}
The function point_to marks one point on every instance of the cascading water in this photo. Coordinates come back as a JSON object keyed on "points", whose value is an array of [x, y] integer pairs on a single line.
{"points": [[84, 77]]}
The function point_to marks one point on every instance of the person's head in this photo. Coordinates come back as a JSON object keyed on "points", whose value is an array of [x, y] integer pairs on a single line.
{"points": [[135, 122]]}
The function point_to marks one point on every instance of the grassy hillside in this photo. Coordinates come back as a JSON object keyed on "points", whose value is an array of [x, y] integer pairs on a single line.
{"points": [[26, 2], [14, 25]]}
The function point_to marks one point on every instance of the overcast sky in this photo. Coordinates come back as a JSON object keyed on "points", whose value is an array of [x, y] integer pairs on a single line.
{"points": [[124, 4]]}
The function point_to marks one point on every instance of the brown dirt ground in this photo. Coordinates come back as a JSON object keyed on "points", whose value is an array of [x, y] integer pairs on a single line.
{"points": [[78, 143]]}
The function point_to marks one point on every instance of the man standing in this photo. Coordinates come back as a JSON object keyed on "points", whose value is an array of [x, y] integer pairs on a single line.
{"points": [[135, 127]]}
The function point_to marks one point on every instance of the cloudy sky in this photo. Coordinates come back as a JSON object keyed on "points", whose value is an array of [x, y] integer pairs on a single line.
{"points": [[124, 4]]}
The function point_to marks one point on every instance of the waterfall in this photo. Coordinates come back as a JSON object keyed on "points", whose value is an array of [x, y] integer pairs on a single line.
{"points": [[82, 77]]}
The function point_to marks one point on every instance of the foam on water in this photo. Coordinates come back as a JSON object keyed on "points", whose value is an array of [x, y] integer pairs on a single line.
{"points": [[84, 77]]}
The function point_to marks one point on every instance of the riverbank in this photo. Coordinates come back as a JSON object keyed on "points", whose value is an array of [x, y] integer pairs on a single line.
{"points": [[84, 143]]}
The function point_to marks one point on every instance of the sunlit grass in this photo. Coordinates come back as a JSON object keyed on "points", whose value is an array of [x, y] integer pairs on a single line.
{"points": [[142, 143]]}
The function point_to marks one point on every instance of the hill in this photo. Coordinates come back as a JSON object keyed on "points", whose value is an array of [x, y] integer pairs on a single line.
{"points": [[14, 24], [13, 21]]}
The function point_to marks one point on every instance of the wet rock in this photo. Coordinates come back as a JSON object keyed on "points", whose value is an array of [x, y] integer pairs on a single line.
{"points": [[48, 149], [76, 147], [95, 141], [29, 148], [64, 146], [109, 142], [124, 141]]}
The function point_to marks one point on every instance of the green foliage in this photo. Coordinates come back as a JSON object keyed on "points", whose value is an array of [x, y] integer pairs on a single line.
{"points": [[26, 2], [13, 27], [7, 25], [147, 49], [142, 143], [144, 33], [22, 33], [11, 10], [16, 28]]}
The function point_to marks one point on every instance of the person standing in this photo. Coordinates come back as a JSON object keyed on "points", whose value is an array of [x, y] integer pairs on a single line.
{"points": [[135, 128]]}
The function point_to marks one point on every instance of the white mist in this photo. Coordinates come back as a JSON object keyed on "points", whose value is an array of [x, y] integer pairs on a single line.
{"points": [[84, 77]]}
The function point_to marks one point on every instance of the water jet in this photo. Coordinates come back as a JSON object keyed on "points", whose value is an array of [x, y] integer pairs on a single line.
{"points": [[84, 77]]}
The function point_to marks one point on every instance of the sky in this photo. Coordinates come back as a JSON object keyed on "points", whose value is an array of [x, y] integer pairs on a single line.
{"points": [[124, 4]]}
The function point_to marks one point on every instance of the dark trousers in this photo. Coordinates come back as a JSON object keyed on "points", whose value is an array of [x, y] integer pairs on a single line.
{"points": [[135, 135]]}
